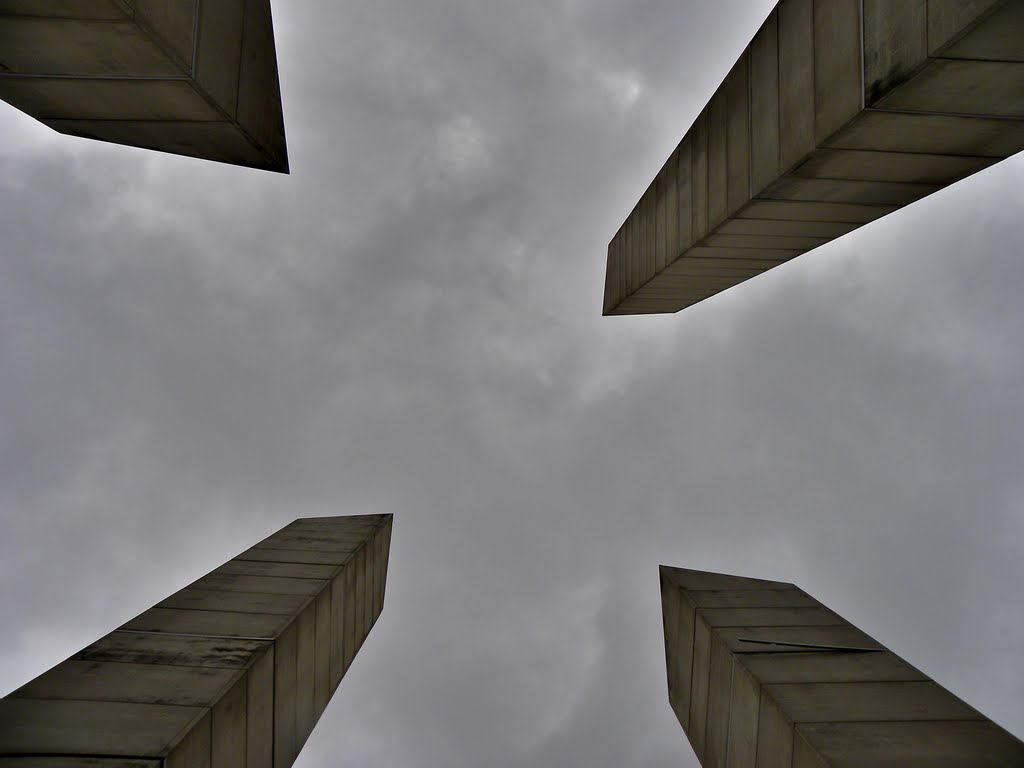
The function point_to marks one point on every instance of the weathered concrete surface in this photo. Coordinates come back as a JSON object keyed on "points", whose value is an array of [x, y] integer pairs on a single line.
{"points": [[839, 112], [192, 77], [232, 671], [777, 679]]}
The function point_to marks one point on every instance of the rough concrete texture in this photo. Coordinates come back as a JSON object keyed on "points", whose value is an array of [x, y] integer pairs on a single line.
{"points": [[837, 113], [192, 77], [236, 674], [761, 675]]}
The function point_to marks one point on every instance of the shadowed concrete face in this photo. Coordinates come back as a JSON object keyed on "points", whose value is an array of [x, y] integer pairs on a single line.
{"points": [[195, 77], [837, 113], [233, 670], [761, 674]]}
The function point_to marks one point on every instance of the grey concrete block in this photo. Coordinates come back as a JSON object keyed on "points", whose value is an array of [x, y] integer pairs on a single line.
{"points": [[108, 728], [131, 682], [218, 51], [915, 167], [67, 98], [660, 221], [868, 702], [796, 80], [736, 91], [700, 682], [936, 134], [259, 737], [67, 9], [699, 176], [228, 728], [784, 228], [771, 242], [895, 44], [192, 598], [306, 713], [175, 650], [998, 36], [718, 159], [286, 696], [744, 708], [35, 46], [671, 181], [975, 744], [948, 20], [173, 24], [720, 678], [323, 644], [686, 210], [764, 105], [222, 579], [838, 94], [312, 557], [826, 667], [803, 616], [962, 87], [892, 193], [842, 213], [208, 623], [701, 580]]}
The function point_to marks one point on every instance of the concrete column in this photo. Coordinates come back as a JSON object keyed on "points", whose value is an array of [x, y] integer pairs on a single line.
{"points": [[188, 77], [231, 672], [762, 675], [839, 112]]}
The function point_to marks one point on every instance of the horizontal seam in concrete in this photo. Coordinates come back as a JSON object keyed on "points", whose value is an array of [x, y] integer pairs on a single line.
{"points": [[904, 111], [192, 634], [236, 667], [121, 78], [205, 707]]}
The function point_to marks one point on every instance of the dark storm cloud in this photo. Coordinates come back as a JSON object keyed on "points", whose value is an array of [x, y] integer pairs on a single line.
{"points": [[192, 355]]}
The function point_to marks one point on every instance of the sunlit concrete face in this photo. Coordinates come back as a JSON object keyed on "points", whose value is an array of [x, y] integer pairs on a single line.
{"points": [[234, 670], [760, 674], [191, 77], [837, 113]]}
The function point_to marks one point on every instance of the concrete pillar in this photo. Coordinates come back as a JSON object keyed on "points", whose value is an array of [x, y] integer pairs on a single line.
{"points": [[839, 112], [231, 672], [762, 675], [188, 77]]}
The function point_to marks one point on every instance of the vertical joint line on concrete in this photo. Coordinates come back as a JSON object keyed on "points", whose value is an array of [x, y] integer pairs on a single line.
{"points": [[861, 52], [195, 37]]}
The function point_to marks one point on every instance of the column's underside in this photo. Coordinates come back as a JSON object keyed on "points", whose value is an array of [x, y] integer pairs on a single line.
{"points": [[190, 77], [762, 675], [231, 672], [838, 113]]}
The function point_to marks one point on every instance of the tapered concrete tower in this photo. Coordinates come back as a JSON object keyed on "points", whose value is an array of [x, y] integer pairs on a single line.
{"points": [[234, 670], [191, 77], [839, 112], [762, 675]]}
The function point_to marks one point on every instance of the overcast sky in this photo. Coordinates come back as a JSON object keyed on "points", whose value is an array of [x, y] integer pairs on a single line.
{"points": [[192, 355]]}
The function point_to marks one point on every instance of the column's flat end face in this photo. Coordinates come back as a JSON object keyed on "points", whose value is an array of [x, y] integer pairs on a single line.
{"points": [[689, 579], [833, 117], [188, 78]]}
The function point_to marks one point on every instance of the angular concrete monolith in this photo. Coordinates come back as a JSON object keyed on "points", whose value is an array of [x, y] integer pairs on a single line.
{"points": [[837, 113], [191, 77], [762, 675], [232, 671]]}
